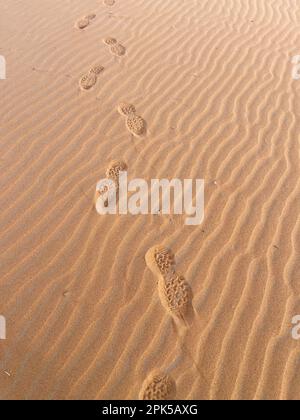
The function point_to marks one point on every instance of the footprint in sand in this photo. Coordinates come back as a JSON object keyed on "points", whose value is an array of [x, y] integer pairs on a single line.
{"points": [[85, 21], [115, 47], [114, 169], [175, 294], [158, 386], [174, 291], [110, 41], [109, 2], [118, 50], [135, 124], [161, 261], [112, 173], [89, 80], [126, 109]]}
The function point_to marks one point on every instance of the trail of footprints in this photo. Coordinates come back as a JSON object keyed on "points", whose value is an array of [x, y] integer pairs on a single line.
{"points": [[173, 290], [175, 296]]}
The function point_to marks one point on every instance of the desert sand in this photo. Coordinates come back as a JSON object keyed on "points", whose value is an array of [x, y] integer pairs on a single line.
{"points": [[91, 313]]}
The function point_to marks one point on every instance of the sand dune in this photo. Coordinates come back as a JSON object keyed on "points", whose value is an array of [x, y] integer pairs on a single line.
{"points": [[205, 91]]}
